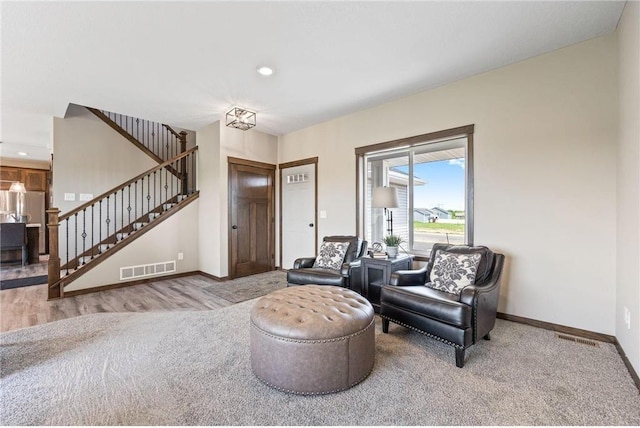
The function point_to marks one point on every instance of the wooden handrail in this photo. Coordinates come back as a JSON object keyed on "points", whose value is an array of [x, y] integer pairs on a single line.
{"points": [[126, 183], [170, 129], [158, 149]]}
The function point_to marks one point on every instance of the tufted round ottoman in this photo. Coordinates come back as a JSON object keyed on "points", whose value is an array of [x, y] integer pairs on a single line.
{"points": [[312, 339]]}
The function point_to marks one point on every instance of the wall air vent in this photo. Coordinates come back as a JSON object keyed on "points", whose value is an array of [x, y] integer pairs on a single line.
{"points": [[141, 271], [297, 178], [578, 340]]}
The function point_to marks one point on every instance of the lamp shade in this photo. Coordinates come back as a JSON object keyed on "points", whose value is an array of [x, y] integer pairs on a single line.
{"points": [[17, 187], [385, 197]]}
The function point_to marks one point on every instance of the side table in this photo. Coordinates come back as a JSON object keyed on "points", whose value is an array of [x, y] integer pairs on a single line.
{"points": [[376, 272]]}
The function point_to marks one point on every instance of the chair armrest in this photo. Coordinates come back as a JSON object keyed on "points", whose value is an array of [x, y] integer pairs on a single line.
{"points": [[409, 277], [483, 298], [304, 262], [346, 267], [490, 286]]}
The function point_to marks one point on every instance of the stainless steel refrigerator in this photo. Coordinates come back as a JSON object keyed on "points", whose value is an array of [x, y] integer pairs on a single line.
{"points": [[27, 207]]}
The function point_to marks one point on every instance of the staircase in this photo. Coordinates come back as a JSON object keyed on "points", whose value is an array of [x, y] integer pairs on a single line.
{"points": [[84, 237]]}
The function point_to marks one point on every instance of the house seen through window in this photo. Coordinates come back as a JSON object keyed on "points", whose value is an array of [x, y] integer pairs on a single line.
{"points": [[433, 178]]}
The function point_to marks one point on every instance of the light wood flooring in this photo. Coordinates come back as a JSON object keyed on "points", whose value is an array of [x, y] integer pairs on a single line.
{"points": [[28, 306], [15, 270]]}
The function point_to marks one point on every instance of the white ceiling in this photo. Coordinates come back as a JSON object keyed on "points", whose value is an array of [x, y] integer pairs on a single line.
{"points": [[186, 63]]}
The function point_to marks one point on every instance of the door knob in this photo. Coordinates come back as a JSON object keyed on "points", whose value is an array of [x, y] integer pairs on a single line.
{"points": [[310, 224], [234, 227]]}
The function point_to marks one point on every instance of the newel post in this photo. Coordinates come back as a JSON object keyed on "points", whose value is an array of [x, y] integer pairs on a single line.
{"points": [[53, 267], [183, 162]]}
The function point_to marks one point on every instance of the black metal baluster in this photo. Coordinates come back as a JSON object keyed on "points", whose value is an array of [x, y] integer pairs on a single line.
{"points": [[115, 216], [75, 238], [157, 138], [135, 202], [84, 234], [92, 229], [107, 221], [121, 214], [100, 229], [129, 210], [67, 232], [142, 200], [149, 193], [155, 184]]}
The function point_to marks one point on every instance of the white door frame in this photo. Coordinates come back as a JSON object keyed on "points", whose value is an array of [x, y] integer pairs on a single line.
{"points": [[286, 165]]}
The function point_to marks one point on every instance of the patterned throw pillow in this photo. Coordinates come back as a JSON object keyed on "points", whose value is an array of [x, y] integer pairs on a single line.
{"points": [[452, 272], [331, 255]]}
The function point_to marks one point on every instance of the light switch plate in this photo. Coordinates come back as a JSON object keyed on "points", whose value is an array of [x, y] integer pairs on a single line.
{"points": [[323, 214], [85, 196], [69, 196]]}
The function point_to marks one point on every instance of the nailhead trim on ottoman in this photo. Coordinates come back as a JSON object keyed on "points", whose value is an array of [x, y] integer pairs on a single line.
{"points": [[312, 339]]}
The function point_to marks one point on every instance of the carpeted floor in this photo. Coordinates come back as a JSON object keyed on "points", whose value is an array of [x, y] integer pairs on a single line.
{"points": [[192, 368], [249, 287]]}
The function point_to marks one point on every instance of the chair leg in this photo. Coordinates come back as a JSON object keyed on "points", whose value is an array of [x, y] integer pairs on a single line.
{"points": [[385, 325], [459, 357], [487, 336]]}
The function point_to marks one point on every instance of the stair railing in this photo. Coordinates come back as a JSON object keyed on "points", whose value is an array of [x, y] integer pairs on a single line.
{"points": [[160, 140], [85, 233]]}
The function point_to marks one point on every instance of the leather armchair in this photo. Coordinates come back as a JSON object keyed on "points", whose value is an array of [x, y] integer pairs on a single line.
{"points": [[304, 273], [457, 320]]}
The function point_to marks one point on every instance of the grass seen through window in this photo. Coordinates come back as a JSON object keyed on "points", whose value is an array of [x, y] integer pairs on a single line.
{"points": [[439, 227]]}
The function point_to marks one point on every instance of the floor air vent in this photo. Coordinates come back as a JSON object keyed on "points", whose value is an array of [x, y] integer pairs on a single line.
{"points": [[140, 271], [578, 340]]}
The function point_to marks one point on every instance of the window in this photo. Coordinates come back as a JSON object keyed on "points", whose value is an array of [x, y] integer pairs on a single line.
{"points": [[432, 175]]}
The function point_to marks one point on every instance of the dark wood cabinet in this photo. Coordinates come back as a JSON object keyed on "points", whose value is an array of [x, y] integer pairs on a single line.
{"points": [[35, 180], [376, 273], [8, 174]]}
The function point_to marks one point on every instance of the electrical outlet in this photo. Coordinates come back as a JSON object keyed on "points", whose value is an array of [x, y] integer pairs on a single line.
{"points": [[180, 256]]}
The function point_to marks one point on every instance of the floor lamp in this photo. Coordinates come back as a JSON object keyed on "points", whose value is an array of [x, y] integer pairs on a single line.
{"points": [[386, 197]]}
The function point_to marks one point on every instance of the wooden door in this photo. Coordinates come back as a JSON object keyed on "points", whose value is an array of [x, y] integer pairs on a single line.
{"points": [[251, 217]]}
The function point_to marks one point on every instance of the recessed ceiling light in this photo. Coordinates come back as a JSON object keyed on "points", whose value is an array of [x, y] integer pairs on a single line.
{"points": [[23, 153], [265, 71]]}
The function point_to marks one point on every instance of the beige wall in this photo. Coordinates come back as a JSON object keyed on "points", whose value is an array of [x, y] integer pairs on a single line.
{"points": [[545, 174], [222, 142], [628, 202], [178, 233], [90, 157], [209, 242]]}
